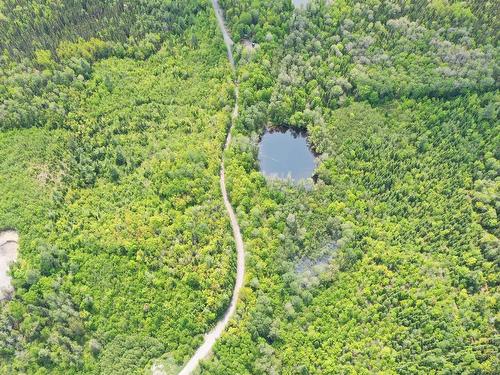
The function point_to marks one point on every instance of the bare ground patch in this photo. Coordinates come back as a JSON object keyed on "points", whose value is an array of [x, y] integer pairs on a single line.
{"points": [[9, 244]]}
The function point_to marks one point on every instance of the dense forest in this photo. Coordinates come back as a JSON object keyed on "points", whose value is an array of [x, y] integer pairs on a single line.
{"points": [[110, 158], [113, 117], [389, 263]]}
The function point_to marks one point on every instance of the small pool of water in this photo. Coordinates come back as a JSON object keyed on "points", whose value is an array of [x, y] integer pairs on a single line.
{"points": [[286, 154]]}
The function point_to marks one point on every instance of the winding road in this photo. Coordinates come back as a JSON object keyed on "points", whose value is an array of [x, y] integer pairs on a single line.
{"points": [[211, 337]]}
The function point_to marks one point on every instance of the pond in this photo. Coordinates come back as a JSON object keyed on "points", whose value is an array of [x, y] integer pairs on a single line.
{"points": [[286, 154]]}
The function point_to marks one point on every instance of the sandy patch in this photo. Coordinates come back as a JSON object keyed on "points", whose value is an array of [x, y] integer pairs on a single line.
{"points": [[9, 244]]}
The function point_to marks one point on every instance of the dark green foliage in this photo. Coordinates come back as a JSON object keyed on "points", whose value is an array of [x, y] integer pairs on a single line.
{"points": [[133, 351], [27, 26]]}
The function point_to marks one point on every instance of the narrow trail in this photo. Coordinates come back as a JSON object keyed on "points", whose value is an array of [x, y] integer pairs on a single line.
{"points": [[211, 337]]}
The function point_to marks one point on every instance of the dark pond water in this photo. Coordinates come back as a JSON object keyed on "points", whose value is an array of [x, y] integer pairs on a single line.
{"points": [[284, 154]]}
